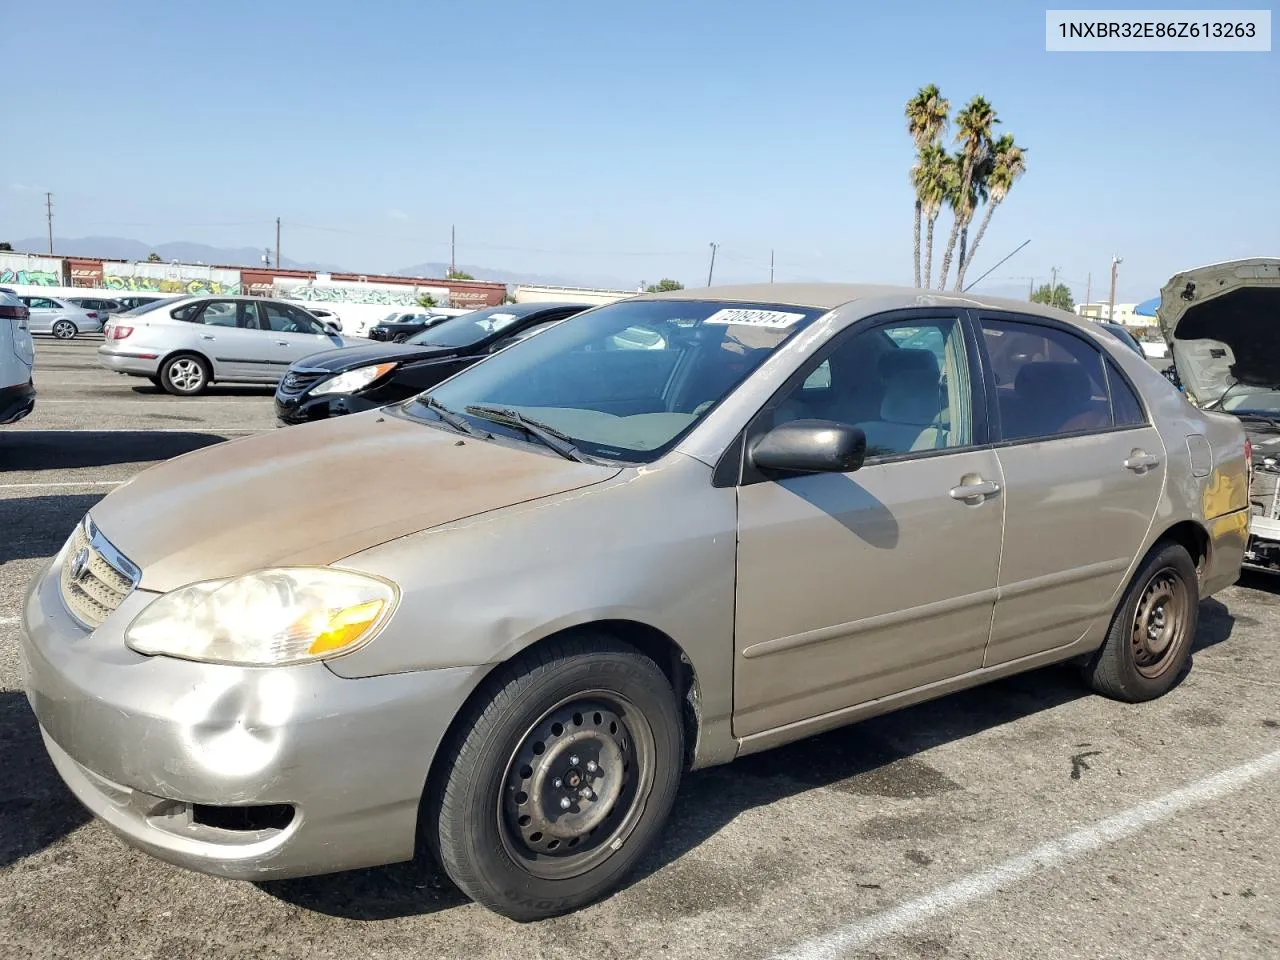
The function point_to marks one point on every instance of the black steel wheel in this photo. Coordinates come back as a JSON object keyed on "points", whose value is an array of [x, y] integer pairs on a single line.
{"points": [[558, 779], [1148, 644]]}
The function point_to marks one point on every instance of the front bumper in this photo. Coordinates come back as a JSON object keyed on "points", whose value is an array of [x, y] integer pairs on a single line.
{"points": [[16, 402], [151, 744], [305, 408], [140, 363]]}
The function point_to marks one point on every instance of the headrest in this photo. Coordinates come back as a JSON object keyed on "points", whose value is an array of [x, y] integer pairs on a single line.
{"points": [[911, 394], [1064, 384]]}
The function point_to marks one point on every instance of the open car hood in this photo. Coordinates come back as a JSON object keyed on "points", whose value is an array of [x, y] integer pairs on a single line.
{"points": [[1222, 324]]}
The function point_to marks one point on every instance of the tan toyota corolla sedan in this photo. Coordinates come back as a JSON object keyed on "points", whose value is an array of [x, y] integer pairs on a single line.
{"points": [[501, 619]]}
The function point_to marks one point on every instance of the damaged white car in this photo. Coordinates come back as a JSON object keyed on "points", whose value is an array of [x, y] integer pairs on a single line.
{"points": [[1220, 323]]}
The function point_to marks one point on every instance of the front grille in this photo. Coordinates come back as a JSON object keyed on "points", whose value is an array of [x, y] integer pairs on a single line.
{"points": [[95, 576], [377, 334], [299, 381]]}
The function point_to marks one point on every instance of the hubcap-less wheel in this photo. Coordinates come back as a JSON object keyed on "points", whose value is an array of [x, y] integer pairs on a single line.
{"points": [[186, 374], [64, 329], [573, 787], [1159, 622]]}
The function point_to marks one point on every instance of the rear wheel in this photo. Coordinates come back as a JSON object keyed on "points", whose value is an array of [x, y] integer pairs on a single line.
{"points": [[1149, 641], [560, 780], [184, 375], [65, 330], [400, 337]]}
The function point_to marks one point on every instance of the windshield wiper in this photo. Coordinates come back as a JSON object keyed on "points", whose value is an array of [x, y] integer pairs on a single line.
{"points": [[1258, 418], [548, 435], [452, 419]]}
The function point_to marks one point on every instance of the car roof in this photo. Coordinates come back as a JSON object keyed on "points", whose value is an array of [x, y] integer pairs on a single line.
{"points": [[828, 296]]}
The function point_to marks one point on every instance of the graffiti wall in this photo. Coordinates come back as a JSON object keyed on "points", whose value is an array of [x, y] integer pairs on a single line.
{"points": [[346, 291], [175, 278], [22, 268]]}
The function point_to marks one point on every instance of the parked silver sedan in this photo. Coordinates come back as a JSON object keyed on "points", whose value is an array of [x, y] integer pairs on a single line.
{"points": [[185, 344], [659, 535], [61, 317]]}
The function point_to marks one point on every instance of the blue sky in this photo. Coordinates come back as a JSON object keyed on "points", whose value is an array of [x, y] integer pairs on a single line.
{"points": [[613, 140]]}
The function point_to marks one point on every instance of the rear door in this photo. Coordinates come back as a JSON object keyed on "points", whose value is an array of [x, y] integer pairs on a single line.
{"points": [[43, 313], [1084, 472], [222, 333]]}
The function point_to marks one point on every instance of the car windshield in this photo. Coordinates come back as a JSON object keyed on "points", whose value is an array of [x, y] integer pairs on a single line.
{"points": [[624, 381], [145, 308], [1243, 401], [467, 330]]}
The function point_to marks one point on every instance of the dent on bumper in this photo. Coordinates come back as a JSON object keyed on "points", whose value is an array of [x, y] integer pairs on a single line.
{"points": [[139, 740]]}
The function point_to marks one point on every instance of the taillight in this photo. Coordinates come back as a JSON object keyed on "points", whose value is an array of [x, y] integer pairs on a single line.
{"points": [[119, 333]]}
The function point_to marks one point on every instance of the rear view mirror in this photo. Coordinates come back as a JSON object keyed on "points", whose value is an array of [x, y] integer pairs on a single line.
{"points": [[811, 446]]}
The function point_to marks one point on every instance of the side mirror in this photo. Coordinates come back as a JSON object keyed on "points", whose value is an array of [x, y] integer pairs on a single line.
{"points": [[331, 328], [811, 446]]}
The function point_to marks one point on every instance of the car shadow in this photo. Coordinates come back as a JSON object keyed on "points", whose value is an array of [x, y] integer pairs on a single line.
{"points": [[36, 808], [36, 527], [69, 449], [148, 389]]}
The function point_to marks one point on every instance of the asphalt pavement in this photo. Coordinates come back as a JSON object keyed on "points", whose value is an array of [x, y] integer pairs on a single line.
{"points": [[1025, 819]]}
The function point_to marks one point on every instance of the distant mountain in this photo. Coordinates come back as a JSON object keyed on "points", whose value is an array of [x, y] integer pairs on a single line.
{"points": [[122, 248]]}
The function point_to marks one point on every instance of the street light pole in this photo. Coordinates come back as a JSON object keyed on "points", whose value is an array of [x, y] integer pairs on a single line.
{"points": [[712, 269], [1116, 260]]}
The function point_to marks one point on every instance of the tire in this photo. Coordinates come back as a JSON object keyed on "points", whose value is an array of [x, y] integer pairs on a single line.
{"points": [[65, 330], [554, 729], [184, 374], [156, 382], [400, 338], [1149, 641]]}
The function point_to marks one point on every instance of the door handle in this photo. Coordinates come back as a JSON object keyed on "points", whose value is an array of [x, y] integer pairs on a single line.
{"points": [[1140, 462], [206, 336], [975, 492], [282, 343]]}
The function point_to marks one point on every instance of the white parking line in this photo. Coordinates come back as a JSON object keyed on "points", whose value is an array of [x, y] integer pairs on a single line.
{"points": [[844, 940], [61, 483]]}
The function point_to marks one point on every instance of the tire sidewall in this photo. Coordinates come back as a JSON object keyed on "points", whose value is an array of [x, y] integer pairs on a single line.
{"points": [[65, 325], [1176, 557], [171, 387], [519, 894]]}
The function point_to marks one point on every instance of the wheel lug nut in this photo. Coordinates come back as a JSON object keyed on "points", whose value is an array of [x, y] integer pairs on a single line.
{"points": [[573, 760], [557, 783], [565, 803], [591, 766]]}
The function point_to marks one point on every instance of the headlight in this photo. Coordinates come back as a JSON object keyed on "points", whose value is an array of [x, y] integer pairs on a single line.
{"points": [[353, 380], [266, 618]]}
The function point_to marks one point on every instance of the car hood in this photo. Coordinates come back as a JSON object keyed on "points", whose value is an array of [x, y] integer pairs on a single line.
{"points": [[317, 493], [349, 358], [1222, 324]]}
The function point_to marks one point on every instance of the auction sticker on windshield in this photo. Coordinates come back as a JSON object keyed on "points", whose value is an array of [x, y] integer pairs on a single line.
{"points": [[754, 318]]}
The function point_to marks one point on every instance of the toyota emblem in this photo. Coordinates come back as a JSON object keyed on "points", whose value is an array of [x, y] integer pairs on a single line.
{"points": [[80, 564]]}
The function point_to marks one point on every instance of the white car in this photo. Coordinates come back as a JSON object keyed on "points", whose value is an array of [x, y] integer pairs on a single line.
{"points": [[61, 317], [17, 356], [184, 345], [326, 316]]}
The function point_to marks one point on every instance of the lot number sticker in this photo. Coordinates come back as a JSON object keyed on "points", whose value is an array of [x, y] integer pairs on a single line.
{"points": [[775, 319]]}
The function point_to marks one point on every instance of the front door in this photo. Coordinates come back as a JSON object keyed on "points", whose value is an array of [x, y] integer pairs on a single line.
{"points": [[857, 586], [294, 334], [1084, 472]]}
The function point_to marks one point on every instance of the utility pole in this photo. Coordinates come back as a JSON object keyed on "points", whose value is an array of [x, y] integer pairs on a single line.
{"points": [[712, 269], [1116, 260], [771, 266], [453, 249], [1088, 287], [48, 206], [277, 242], [1053, 281]]}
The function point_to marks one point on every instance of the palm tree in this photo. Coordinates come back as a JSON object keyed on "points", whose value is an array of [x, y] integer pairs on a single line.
{"points": [[976, 196], [974, 125], [926, 121], [1008, 162], [930, 177]]}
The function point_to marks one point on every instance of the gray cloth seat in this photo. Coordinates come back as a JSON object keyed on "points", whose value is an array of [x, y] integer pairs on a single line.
{"points": [[911, 411], [1052, 398]]}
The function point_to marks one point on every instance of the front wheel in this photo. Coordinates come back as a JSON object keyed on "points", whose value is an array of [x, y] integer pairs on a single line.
{"points": [[1149, 641], [400, 338], [65, 330], [558, 781]]}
